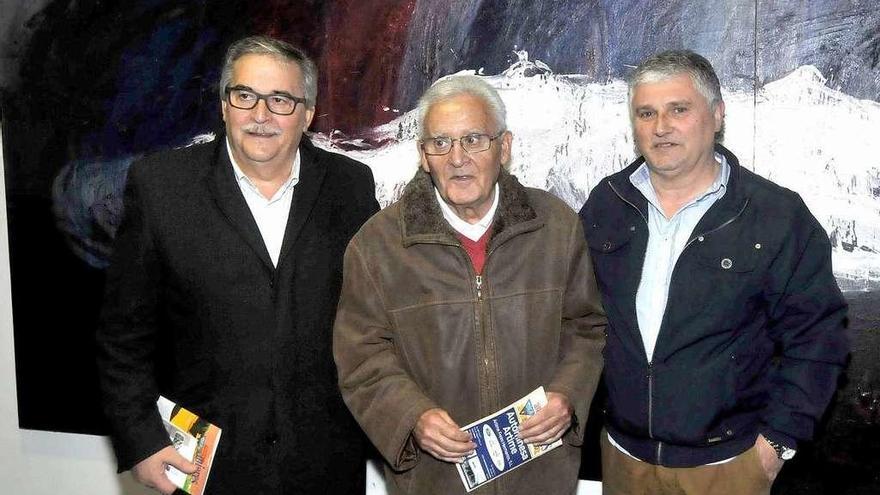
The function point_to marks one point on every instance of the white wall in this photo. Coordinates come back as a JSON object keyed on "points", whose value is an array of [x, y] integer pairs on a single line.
{"points": [[38, 462]]}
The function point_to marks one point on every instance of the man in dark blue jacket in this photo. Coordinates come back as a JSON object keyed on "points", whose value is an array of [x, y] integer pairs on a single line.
{"points": [[726, 326]]}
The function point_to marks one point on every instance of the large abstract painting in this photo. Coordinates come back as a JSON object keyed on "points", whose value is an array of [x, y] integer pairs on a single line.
{"points": [[89, 86]]}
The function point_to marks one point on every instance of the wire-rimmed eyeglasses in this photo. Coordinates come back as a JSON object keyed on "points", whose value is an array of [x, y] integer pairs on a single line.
{"points": [[472, 143], [278, 103]]}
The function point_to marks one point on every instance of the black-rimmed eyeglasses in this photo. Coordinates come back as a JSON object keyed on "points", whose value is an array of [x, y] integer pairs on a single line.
{"points": [[277, 103], [472, 143]]}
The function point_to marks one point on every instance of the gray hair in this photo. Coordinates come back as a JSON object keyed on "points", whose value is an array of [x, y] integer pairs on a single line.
{"points": [[264, 45], [452, 86], [671, 63]]}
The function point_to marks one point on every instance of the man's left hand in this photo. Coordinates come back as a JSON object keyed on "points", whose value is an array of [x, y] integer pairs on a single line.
{"points": [[771, 462], [550, 423]]}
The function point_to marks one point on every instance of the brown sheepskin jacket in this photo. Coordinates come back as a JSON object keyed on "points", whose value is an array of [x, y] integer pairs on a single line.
{"points": [[413, 331]]}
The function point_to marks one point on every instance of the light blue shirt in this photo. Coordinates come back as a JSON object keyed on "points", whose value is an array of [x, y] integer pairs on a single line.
{"points": [[666, 240]]}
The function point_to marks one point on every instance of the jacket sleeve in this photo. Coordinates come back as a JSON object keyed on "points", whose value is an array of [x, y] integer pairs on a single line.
{"points": [[126, 338], [807, 316], [583, 336], [382, 397]]}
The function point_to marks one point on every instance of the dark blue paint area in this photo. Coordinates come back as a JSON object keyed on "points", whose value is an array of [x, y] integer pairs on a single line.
{"points": [[164, 93]]}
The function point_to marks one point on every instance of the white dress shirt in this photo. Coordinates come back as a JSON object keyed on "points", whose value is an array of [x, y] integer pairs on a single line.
{"points": [[270, 214], [472, 231]]}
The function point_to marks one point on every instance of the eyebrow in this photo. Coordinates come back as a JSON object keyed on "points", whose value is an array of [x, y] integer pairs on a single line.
{"points": [[674, 103], [252, 90], [468, 133]]}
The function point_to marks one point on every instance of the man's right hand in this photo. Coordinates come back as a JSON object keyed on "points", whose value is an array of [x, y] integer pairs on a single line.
{"points": [[437, 434], [151, 471]]}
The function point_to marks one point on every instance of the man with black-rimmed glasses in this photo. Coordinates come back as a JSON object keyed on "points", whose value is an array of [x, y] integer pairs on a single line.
{"points": [[223, 289]]}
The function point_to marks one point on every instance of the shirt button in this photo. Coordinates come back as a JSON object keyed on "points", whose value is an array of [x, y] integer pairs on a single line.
{"points": [[701, 238]]}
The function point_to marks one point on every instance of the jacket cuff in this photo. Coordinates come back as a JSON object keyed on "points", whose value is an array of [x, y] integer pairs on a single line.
{"points": [[139, 442], [581, 409], [779, 437], [408, 453]]}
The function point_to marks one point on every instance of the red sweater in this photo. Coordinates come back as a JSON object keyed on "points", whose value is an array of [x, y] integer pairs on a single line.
{"points": [[476, 249]]}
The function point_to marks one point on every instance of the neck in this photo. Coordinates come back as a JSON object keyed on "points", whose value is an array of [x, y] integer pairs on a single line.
{"points": [[674, 191], [471, 214], [267, 177]]}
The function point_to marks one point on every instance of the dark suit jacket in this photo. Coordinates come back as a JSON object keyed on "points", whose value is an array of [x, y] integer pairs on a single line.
{"points": [[194, 310]]}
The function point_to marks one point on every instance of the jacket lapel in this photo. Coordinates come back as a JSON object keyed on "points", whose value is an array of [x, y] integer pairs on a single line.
{"points": [[305, 195], [226, 194]]}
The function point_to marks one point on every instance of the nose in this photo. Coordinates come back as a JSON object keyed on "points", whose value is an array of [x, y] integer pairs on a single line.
{"points": [[457, 155], [261, 111], [662, 126]]}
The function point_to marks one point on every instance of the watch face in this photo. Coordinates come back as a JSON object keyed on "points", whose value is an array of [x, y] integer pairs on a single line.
{"points": [[787, 453]]}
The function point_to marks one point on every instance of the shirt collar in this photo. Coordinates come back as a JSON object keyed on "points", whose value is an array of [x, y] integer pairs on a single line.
{"points": [[472, 231], [242, 178], [641, 179]]}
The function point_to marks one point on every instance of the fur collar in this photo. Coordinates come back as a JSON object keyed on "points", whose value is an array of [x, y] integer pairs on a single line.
{"points": [[422, 221]]}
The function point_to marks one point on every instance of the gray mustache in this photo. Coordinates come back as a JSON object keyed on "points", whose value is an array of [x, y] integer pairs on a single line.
{"points": [[261, 129]]}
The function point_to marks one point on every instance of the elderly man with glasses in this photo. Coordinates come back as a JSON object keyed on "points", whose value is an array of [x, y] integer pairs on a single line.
{"points": [[224, 286], [463, 296]]}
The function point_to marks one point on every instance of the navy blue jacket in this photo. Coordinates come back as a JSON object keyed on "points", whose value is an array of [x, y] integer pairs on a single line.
{"points": [[753, 337]]}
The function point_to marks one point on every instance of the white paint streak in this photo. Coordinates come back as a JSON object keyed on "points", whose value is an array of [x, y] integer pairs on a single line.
{"points": [[569, 134]]}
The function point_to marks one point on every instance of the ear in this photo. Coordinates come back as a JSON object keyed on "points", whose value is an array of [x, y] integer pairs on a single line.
{"points": [[423, 158], [506, 142], [310, 114], [223, 109], [719, 115]]}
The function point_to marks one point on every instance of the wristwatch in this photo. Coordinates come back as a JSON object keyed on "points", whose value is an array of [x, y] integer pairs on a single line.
{"points": [[782, 452]]}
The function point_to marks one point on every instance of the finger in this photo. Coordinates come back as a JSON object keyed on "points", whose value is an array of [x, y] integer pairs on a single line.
{"points": [[449, 429], [162, 484], [453, 447], [536, 425], [448, 456], [550, 434], [181, 463]]}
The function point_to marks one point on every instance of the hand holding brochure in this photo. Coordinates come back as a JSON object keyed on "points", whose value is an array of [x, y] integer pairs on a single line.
{"points": [[195, 439], [499, 448]]}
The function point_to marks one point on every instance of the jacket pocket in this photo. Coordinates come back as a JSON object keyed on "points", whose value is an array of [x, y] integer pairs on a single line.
{"points": [[691, 401], [617, 268], [730, 252]]}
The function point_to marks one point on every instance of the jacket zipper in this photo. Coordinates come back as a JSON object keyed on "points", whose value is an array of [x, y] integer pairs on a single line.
{"points": [[651, 363], [478, 285], [716, 229]]}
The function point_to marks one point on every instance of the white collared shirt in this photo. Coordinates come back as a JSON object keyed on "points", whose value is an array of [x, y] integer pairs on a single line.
{"points": [[270, 214], [472, 231]]}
